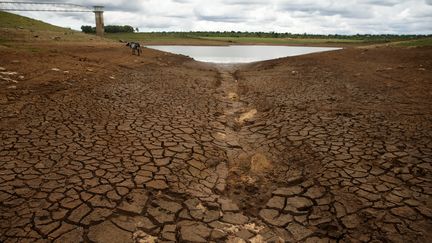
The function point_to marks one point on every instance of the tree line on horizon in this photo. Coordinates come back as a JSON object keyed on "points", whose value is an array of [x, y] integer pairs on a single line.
{"points": [[110, 29], [238, 34]]}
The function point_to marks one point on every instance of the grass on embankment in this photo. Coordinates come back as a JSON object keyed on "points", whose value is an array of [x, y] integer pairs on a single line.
{"points": [[163, 39], [17, 28], [10, 20], [282, 41], [417, 43]]}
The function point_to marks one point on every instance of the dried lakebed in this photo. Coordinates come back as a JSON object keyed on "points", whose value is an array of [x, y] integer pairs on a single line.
{"points": [[173, 150]]}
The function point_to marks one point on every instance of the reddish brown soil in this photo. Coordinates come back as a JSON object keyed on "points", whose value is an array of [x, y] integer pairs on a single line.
{"points": [[97, 145]]}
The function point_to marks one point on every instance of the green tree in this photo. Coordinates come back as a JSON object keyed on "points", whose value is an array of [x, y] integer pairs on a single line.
{"points": [[88, 29], [119, 29]]}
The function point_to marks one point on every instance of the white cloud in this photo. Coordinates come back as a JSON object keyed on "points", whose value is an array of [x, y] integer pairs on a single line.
{"points": [[295, 16]]}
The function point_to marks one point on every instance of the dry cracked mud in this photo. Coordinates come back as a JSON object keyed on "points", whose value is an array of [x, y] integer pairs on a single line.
{"points": [[332, 147]]}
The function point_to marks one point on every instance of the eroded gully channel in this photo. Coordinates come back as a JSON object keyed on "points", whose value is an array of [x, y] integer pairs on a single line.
{"points": [[247, 166]]}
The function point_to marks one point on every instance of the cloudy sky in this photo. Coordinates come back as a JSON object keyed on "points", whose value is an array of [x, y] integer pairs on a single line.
{"points": [[295, 16]]}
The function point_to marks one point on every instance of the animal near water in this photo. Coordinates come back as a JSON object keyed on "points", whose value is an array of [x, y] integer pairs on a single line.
{"points": [[135, 47]]}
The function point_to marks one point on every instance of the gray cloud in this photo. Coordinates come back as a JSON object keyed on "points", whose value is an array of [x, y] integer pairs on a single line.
{"points": [[318, 8], [296, 16], [231, 19], [247, 2], [382, 2]]}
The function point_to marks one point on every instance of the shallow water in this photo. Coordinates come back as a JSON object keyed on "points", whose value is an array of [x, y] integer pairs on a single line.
{"points": [[240, 53]]}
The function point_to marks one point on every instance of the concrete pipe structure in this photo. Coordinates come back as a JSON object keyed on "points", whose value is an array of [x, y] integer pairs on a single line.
{"points": [[98, 10]]}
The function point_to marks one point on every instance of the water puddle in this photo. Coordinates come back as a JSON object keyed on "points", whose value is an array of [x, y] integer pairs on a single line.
{"points": [[240, 53]]}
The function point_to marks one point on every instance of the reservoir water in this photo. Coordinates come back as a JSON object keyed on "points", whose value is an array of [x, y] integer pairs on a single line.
{"points": [[240, 53]]}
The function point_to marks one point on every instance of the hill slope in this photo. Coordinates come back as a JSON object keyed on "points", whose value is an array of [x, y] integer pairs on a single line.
{"points": [[16, 28], [10, 20]]}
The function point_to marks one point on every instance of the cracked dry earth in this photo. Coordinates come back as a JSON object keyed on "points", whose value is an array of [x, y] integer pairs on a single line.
{"points": [[281, 151]]}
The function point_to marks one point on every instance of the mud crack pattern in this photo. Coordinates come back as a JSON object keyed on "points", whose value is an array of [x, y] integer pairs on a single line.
{"points": [[198, 155]]}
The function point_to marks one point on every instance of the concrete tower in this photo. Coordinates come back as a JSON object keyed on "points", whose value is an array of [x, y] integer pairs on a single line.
{"points": [[98, 10]]}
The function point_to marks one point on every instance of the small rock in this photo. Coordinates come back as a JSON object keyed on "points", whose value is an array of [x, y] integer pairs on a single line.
{"points": [[229, 228], [259, 163], [65, 72], [55, 69], [112, 77], [294, 72], [252, 227], [247, 116], [142, 237], [90, 69], [201, 207], [12, 87], [21, 77], [2, 69]]}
